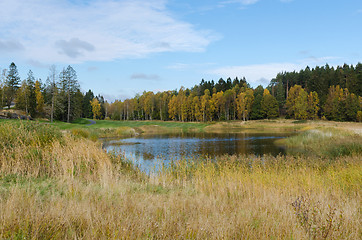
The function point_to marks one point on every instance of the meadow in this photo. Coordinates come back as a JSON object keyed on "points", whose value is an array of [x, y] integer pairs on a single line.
{"points": [[57, 183]]}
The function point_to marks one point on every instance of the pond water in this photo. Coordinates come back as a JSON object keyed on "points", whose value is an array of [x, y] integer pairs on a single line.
{"points": [[147, 151]]}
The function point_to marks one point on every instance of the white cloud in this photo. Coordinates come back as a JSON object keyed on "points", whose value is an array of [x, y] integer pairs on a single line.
{"points": [[64, 31], [243, 2], [145, 76]]}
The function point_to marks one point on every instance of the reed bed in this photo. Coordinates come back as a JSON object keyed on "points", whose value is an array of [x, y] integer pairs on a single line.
{"points": [[64, 187]]}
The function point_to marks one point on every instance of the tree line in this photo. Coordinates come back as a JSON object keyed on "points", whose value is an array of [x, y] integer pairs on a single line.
{"points": [[318, 93], [59, 98]]}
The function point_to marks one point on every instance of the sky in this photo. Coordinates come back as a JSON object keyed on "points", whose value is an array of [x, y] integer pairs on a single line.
{"points": [[120, 48]]}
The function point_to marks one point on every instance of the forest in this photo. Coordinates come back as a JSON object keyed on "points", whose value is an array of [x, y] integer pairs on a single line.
{"points": [[325, 93]]}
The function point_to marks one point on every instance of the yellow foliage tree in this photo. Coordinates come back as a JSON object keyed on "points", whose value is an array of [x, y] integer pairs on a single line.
{"points": [[96, 108], [205, 105], [172, 108], [313, 105], [39, 98], [244, 102]]}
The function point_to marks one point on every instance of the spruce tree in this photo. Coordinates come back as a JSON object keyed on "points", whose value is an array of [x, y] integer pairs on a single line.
{"points": [[11, 84]]}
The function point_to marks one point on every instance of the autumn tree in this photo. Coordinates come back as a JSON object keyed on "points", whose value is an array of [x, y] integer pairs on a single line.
{"points": [[244, 102], [313, 105], [22, 101], [181, 104], [39, 98], [297, 102], [172, 108], [96, 108], [197, 109], [205, 105], [334, 107]]}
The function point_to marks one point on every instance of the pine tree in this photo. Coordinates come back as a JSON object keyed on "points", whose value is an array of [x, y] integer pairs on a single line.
{"points": [[87, 107], [11, 84], [69, 86], [31, 97], [256, 109]]}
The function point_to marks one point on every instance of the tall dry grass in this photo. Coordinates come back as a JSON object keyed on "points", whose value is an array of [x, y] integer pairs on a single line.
{"points": [[71, 189]]}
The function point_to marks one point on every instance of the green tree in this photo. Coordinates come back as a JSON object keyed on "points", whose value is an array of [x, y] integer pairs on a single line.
{"points": [[11, 84], [69, 87], [269, 105], [31, 97], [256, 109], [352, 107], [87, 107]]}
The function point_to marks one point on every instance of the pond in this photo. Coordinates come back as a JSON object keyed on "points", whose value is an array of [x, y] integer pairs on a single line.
{"points": [[147, 151]]}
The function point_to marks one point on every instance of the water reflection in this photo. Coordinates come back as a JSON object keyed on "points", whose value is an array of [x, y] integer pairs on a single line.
{"points": [[147, 150]]}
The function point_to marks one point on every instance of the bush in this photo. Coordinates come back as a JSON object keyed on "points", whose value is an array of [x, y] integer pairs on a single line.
{"points": [[359, 116]]}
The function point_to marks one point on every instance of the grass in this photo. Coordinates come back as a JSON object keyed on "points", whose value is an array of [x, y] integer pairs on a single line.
{"points": [[58, 185], [109, 128], [329, 142]]}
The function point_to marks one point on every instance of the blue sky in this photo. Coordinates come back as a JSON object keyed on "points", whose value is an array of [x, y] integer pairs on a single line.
{"points": [[122, 47]]}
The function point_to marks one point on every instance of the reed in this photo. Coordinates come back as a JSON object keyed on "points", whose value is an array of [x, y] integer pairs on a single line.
{"points": [[67, 187], [325, 142]]}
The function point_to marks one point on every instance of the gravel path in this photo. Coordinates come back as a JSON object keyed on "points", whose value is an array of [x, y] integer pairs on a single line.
{"points": [[91, 122]]}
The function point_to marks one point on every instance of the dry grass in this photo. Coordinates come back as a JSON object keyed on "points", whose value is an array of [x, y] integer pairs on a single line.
{"points": [[71, 189]]}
